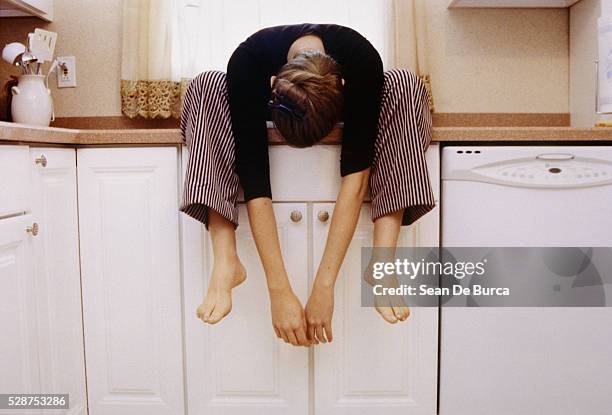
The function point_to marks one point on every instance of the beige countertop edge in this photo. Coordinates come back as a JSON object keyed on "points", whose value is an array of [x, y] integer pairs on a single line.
{"points": [[31, 134]]}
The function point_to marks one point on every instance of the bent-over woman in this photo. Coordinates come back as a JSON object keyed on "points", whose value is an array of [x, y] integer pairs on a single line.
{"points": [[305, 78]]}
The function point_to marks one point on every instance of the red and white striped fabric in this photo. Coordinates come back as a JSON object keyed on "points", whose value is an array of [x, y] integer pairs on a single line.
{"points": [[398, 179]]}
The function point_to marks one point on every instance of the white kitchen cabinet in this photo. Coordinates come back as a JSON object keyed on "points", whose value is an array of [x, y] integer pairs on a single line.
{"points": [[512, 3], [130, 271], [372, 366], [42, 9], [57, 274], [18, 313], [239, 367]]}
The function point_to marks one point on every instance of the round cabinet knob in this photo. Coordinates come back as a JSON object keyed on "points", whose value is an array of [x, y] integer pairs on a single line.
{"points": [[33, 229], [42, 160], [296, 216], [323, 216]]}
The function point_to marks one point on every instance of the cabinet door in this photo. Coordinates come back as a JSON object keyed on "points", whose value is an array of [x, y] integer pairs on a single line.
{"points": [[372, 366], [58, 279], [128, 221], [19, 344], [238, 366], [38, 8]]}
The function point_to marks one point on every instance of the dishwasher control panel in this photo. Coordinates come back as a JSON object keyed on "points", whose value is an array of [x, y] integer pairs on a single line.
{"points": [[539, 172], [545, 168]]}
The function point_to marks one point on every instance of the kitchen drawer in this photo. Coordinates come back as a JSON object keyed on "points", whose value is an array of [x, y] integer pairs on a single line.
{"points": [[14, 179]]}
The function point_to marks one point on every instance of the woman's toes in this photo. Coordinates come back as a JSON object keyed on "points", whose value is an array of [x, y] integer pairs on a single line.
{"points": [[204, 310], [402, 313], [216, 306], [387, 314], [214, 318]]}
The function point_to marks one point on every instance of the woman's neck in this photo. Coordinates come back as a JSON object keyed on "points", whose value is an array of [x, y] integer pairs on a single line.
{"points": [[304, 43]]}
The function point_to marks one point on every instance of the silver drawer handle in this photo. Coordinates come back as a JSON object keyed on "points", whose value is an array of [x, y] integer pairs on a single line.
{"points": [[42, 160], [296, 216], [33, 229], [323, 216]]}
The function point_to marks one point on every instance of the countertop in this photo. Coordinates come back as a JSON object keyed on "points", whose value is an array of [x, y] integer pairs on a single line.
{"points": [[16, 133]]}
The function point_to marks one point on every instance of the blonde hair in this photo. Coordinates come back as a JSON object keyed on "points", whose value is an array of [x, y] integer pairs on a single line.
{"points": [[307, 98]]}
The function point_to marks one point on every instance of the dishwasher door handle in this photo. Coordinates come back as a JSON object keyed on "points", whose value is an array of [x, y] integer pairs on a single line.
{"points": [[555, 157]]}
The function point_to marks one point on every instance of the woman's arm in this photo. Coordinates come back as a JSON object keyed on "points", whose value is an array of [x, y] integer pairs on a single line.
{"points": [[362, 92], [248, 95], [319, 309], [287, 313]]}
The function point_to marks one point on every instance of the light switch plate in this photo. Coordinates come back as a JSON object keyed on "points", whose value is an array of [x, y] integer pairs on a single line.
{"points": [[66, 72]]}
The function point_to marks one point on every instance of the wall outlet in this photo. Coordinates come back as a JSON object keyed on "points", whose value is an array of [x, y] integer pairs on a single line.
{"points": [[66, 72]]}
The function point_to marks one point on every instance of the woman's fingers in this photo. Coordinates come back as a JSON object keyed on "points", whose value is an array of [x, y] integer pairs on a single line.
{"points": [[328, 331], [292, 338], [311, 334], [283, 335], [301, 337], [319, 334], [277, 331]]}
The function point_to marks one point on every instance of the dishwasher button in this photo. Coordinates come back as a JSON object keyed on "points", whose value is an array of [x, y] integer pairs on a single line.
{"points": [[554, 170]]}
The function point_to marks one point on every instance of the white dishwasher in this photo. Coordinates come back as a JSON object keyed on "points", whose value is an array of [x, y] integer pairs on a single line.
{"points": [[524, 361]]}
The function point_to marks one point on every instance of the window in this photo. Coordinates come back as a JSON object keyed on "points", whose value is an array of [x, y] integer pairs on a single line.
{"points": [[208, 31]]}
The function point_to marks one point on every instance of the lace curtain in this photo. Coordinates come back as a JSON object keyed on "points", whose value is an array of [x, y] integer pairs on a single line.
{"points": [[168, 42]]}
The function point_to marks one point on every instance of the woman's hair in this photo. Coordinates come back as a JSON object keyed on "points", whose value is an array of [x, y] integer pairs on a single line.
{"points": [[307, 98]]}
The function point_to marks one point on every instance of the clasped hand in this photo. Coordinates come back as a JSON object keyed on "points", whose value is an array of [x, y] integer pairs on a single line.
{"points": [[303, 326]]}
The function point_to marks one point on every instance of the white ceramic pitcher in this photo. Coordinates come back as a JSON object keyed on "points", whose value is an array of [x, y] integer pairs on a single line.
{"points": [[32, 102]]}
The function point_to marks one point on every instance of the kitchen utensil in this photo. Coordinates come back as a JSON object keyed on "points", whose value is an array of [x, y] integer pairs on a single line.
{"points": [[32, 102], [39, 48], [26, 60], [17, 61], [49, 39], [11, 51]]}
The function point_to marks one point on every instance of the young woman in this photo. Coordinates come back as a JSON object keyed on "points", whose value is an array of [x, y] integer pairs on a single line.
{"points": [[305, 78]]}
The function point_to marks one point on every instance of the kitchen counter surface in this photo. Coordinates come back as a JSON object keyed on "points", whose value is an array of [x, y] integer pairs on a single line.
{"points": [[15, 133]]}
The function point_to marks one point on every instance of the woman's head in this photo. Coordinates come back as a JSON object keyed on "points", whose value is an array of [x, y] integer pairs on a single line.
{"points": [[307, 98]]}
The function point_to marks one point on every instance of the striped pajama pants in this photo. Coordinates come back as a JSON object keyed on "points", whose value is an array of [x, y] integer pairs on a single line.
{"points": [[398, 177]]}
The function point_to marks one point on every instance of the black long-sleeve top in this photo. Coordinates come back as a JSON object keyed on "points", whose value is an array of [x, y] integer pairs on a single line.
{"points": [[248, 84]]}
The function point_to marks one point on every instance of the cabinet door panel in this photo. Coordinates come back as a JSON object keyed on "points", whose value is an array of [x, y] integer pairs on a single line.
{"points": [[372, 366], [19, 344], [58, 279], [14, 180], [239, 366], [128, 220]]}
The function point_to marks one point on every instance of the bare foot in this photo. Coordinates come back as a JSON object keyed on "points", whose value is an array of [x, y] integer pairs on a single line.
{"points": [[391, 308], [218, 301]]}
